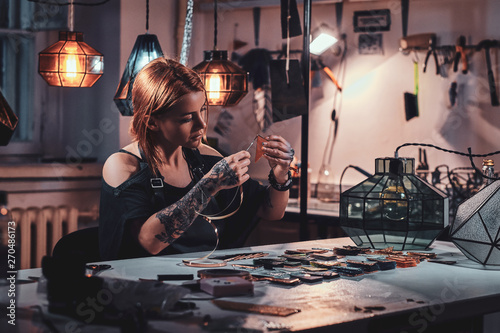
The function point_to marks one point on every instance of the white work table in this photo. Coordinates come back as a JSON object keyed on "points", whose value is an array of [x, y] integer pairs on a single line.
{"points": [[404, 299]]}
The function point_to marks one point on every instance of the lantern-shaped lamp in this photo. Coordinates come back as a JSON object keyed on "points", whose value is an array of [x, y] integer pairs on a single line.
{"points": [[146, 48], [8, 121], [70, 62], [225, 82], [476, 227], [394, 208]]}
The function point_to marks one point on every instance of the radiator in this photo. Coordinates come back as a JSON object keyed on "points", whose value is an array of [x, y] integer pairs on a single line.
{"points": [[39, 229]]}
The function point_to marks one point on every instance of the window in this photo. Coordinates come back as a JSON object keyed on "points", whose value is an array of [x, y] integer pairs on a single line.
{"points": [[16, 80], [22, 22]]}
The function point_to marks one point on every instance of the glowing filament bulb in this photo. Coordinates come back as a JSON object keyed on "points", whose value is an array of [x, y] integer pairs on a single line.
{"points": [[214, 87], [71, 66]]}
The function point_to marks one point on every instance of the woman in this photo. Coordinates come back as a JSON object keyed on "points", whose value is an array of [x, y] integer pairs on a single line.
{"points": [[158, 191]]}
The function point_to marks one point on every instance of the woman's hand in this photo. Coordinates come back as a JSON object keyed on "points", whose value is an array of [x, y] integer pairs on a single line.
{"points": [[229, 172], [279, 153]]}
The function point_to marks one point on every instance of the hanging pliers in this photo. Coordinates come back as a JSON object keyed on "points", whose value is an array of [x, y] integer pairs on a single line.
{"points": [[460, 55], [432, 50]]}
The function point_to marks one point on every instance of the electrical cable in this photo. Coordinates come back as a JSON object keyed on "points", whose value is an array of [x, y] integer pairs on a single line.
{"points": [[147, 16], [367, 174], [443, 149], [332, 132], [470, 155], [341, 78]]}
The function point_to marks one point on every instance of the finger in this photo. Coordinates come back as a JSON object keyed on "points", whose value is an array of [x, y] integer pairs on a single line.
{"points": [[282, 161], [243, 171], [280, 144], [244, 162], [239, 167], [233, 166], [244, 178], [275, 145], [277, 138], [243, 154], [280, 154], [235, 158]]}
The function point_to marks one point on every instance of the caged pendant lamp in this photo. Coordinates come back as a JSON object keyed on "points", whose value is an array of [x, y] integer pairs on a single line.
{"points": [[146, 49], [70, 62], [393, 208], [225, 82]]}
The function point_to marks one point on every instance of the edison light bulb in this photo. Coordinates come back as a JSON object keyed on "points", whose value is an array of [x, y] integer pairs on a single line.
{"points": [[394, 209], [70, 68], [214, 87]]}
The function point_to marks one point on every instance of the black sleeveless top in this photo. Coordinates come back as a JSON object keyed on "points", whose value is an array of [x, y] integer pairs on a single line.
{"points": [[136, 199]]}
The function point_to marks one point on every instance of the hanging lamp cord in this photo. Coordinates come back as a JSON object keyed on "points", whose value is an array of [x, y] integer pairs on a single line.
{"points": [[287, 61], [71, 16], [215, 24], [147, 16]]}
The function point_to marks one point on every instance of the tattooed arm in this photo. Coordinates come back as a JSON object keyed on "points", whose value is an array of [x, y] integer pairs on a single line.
{"points": [[164, 227]]}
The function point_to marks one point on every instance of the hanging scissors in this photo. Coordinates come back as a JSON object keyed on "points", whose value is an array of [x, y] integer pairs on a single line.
{"points": [[432, 50]]}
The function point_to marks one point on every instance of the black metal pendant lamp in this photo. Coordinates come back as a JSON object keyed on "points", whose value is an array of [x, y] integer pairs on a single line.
{"points": [[225, 82]]}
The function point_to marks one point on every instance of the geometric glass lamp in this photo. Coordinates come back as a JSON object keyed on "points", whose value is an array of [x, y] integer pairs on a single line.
{"points": [[225, 82], [394, 208], [476, 228], [70, 62], [8, 121], [146, 49]]}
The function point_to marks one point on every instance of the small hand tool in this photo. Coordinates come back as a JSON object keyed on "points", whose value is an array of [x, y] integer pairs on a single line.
{"points": [[486, 45], [452, 93], [432, 50], [460, 55]]}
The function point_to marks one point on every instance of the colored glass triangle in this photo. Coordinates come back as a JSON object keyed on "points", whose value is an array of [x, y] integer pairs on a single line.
{"points": [[258, 149]]}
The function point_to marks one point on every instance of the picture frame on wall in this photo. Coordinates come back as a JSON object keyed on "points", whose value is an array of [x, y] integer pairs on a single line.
{"points": [[372, 20], [370, 44]]}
